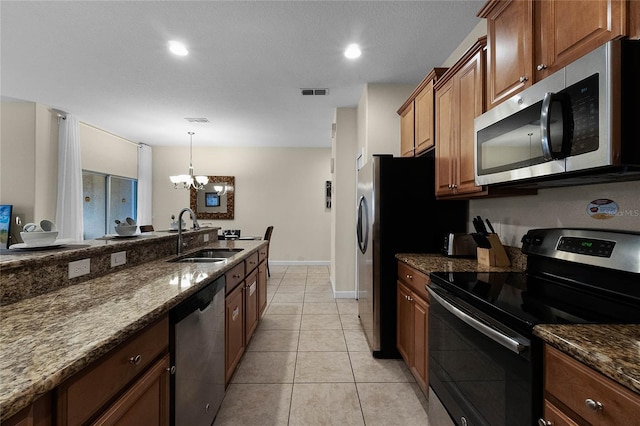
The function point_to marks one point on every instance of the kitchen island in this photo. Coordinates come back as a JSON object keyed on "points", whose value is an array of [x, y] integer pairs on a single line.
{"points": [[47, 338]]}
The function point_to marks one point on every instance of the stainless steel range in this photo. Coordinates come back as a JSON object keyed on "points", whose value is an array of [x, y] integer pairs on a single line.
{"points": [[485, 365]]}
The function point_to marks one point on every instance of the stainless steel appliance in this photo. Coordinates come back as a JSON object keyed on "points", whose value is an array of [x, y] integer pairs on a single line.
{"points": [[579, 123], [458, 244], [198, 356], [397, 212], [485, 365]]}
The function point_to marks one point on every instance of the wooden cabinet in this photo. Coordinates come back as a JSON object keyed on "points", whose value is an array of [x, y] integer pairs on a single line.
{"points": [[509, 48], [234, 330], [39, 413], [251, 305], [459, 99], [412, 322], [528, 40], [577, 394], [417, 129], [124, 370], [145, 403], [262, 288]]}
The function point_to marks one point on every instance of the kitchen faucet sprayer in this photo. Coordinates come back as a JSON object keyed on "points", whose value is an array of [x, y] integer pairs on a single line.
{"points": [[196, 226]]}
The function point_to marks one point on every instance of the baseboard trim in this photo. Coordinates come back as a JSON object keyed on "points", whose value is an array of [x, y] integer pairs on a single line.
{"points": [[299, 262], [344, 294]]}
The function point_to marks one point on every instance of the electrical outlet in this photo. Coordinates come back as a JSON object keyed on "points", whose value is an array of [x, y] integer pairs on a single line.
{"points": [[118, 259], [206, 238], [79, 268]]}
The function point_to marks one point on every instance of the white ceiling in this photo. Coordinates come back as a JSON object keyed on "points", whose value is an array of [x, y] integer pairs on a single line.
{"points": [[107, 62]]}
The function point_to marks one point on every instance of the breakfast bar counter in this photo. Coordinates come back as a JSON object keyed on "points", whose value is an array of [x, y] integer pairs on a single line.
{"points": [[46, 338]]}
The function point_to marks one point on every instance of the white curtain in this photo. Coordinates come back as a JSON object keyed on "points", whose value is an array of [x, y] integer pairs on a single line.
{"points": [[69, 208], [144, 185]]}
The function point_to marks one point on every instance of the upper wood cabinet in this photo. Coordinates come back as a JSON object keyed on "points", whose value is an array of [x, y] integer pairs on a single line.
{"points": [[509, 48], [459, 99], [528, 40], [417, 130]]}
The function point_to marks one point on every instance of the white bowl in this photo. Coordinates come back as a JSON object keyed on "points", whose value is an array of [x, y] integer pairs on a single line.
{"points": [[39, 238], [126, 230]]}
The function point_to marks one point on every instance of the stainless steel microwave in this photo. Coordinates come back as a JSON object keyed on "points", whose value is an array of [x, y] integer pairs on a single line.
{"points": [[581, 122]]}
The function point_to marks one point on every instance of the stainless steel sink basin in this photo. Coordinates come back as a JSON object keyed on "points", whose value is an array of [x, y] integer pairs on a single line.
{"points": [[210, 255]]}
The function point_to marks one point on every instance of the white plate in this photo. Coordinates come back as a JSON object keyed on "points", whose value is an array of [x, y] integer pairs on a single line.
{"points": [[23, 246]]}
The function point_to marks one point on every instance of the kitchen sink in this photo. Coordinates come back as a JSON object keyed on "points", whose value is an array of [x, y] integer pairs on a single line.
{"points": [[210, 255]]}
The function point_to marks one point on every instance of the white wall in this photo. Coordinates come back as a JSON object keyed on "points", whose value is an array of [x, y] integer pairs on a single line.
{"points": [[104, 152], [343, 226], [283, 187]]}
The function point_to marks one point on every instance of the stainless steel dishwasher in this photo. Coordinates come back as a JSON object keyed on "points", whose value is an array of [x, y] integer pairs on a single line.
{"points": [[198, 355]]}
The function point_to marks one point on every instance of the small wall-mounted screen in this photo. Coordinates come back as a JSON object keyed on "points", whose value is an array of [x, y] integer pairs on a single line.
{"points": [[211, 199], [5, 224]]}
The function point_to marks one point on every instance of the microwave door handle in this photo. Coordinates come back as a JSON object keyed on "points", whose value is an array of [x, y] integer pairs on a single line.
{"points": [[495, 335], [545, 126]]}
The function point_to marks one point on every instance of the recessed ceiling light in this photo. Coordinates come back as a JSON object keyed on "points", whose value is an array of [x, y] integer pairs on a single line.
{"points": [[353, 51], [178, 48]]}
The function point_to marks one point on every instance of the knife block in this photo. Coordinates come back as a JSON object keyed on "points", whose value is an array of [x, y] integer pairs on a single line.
{"points": [[494, 256]]}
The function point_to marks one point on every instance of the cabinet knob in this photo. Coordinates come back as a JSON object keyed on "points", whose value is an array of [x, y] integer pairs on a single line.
{"points": [[594, 405], [543, 422], [541, 67], [523, 79], [135, 360], [172, 369], [410, 277]]}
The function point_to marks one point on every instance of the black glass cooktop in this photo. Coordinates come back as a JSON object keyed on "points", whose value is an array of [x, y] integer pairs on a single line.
{"points": [[521, 301]]}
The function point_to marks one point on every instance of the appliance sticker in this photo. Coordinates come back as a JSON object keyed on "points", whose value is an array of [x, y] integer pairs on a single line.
{"points": [[602, 208]]}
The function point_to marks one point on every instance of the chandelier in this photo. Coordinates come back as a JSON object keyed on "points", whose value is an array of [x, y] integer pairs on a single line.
{"points": [[188, 181]]}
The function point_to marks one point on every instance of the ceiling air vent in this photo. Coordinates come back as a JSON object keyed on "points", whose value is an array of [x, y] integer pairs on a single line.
{"points": [[314, 92], [197, 120]]}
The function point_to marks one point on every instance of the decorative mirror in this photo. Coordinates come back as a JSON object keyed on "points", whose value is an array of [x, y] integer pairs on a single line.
{"points": [[210, 203]]}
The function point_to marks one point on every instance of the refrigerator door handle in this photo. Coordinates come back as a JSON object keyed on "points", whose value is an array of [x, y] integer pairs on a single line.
{"points": [[362, 228]]}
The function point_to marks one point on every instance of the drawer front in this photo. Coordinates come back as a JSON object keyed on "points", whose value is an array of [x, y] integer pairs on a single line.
{"points": [[252, 262], [234, 277], [83, 395], [581, 389], [555, 416], [414, 279], [262, 253]]}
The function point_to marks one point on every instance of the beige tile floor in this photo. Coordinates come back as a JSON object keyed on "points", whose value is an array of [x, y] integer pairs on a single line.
{"points": [[309, 364]]}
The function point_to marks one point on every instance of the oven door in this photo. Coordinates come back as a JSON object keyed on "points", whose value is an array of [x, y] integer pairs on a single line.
{"points": [[481, 370]]}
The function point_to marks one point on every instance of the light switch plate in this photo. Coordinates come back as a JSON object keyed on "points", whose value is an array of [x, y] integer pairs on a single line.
{"points": [[206, 237], [79, 268], [118, 259]]}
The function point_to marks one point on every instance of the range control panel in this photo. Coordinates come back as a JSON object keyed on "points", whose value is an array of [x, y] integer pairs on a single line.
{"points": [[587, 246]]}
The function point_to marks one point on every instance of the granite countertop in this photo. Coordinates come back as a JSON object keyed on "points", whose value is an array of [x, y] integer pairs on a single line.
{"points": [[613, 350], [47, 338], [435, 262]]}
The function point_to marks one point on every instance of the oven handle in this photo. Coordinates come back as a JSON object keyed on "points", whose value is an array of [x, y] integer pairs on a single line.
{"points": [[501, 338]]}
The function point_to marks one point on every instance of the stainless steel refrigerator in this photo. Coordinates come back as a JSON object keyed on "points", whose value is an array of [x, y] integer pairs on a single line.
{"points": [[397, 213]]}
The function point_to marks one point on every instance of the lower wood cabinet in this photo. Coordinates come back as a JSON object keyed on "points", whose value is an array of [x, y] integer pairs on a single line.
{"points": [[262, 288], [251, 305], [39, 413], [234, 330], [413, 323], [576, 394], [126, 374]]}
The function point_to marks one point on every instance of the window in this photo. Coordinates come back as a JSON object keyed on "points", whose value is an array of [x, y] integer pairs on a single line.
{"points": [[107, 198]]}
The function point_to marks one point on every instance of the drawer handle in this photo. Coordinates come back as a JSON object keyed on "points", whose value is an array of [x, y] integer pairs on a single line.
{"points": [[235, 276], [172, 369], [543, 422], [135, 360], [594, 405], [235, 313], [409, 277]]}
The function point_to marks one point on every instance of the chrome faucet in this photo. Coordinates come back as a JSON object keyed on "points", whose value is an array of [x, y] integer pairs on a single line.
{"points": [[196, 226]]}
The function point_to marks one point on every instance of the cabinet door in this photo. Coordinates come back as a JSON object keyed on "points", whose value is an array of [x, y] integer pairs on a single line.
{"points": [[469, 89], [552, 415], [420, 318], [570, 29], [404, 324], [509, 49], [262, 287], [39, 413], [146, 402], [407, 127], [445, 146], [251, 306], [234, 330], [424, 119]]}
